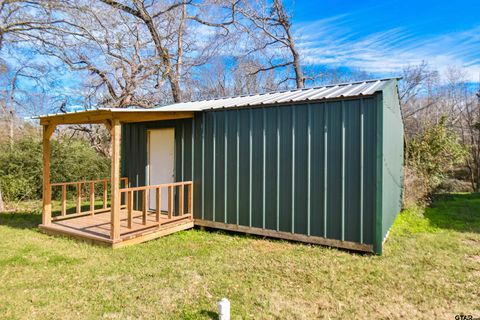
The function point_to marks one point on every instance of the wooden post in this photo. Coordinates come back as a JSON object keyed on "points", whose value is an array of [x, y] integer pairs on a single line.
{"points": [[47, 189], [92, 198], [144, 206], [105, 194], [115, 180], [159, 203], [79, 197], [170, 202], [181, 200], [190, 200], [64, 199], [129, 208]]}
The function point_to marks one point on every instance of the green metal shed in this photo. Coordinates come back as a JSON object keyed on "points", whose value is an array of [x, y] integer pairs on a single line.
{"points": [[320, 165]]}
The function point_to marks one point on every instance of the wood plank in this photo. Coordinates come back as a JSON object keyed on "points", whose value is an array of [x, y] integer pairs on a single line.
{"points": [[170, 202], [105, 194], [115, 180], [153, 235], [64, 200], [190, 199], [144, 206], [163, 185], [92, 198], [61, 231], [79, 197], [81, 214], [159, 204], [129, 208], [181, 200], [286, 235]]}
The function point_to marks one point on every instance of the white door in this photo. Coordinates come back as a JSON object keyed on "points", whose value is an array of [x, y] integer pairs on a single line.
{"points": [[161, 162]]}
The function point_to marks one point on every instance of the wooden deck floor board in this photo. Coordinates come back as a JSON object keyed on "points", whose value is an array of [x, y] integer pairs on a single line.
{"points": [[97, 227]]}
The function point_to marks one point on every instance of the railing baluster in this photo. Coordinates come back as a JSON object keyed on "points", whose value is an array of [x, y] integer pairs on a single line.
{"points": [[79, 197], [190, 198], [92, 198], [64, 199], [159, 203], [144, 206], [170, 202], [181, 200], [130, 208], [105, 194]]}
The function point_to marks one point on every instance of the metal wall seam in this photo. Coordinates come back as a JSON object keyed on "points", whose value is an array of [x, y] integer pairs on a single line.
{"points": [[214, 163], [225, 187], [361, 167], [309, 164], [250, 145], [264, 164], [193, 148], [343, 173], [183, 152], [278, 169], [237, 116], [325, 168], [294, 113], [203, 165]]}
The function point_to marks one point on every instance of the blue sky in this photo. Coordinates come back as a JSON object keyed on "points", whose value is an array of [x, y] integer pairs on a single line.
{"points": [[382, 36]]}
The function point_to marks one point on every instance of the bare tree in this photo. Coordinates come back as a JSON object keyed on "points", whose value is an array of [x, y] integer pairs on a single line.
{"points": [[158, 18], [269, 24]]}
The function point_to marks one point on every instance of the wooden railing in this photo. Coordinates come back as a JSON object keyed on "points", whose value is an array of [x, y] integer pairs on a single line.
{"points": [[182, 209], [91, 189]]}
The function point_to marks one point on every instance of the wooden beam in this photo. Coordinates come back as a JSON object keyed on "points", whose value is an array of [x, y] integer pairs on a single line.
{"points": [[103, 116], [142, 116], [108, 124], [115, 180], [47, 189], [286, 235]]}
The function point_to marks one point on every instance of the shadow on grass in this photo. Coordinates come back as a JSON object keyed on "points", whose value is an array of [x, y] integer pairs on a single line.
{"points": [[20, 219], [459, 212]]}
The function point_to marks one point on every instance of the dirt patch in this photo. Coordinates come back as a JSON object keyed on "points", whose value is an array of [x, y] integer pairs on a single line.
{"points": [[474, 258], [472, 242]]}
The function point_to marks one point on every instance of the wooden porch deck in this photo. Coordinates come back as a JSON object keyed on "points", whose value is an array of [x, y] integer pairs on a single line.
{"points": [[97, 228]]}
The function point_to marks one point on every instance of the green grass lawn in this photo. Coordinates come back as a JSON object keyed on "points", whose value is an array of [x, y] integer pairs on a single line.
{"points": [[430, 269]]}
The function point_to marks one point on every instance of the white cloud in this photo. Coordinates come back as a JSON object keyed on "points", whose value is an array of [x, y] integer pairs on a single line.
{"points": [[336, 41]]}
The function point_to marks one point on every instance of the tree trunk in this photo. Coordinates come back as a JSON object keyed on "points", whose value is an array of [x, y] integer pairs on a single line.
{"points": [[11, 125], [2, 204]]}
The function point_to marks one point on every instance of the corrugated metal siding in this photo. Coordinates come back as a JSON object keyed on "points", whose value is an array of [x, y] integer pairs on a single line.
{"points": [[243, 159], [258, 187]]}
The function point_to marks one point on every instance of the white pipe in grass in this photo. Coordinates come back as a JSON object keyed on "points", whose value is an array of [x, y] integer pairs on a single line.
{"points": [[224, 309]]}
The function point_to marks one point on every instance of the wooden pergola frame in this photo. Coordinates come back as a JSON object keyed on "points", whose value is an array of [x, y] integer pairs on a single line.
{"points": [[113, 120]]}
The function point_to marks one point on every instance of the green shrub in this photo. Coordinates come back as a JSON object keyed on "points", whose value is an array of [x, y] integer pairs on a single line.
{"points": [[433, 155], [71, 160]]}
